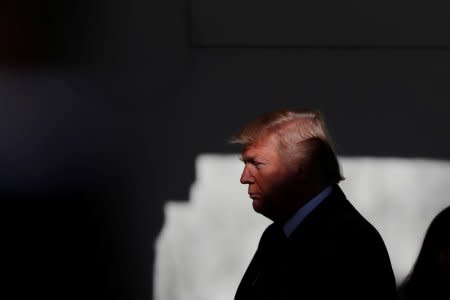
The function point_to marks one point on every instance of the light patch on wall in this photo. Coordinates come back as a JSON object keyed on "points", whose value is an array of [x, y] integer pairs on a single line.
{"points": [[207, 243]]}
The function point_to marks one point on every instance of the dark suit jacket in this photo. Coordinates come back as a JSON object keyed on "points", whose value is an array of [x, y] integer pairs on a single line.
{"points": [[334, 254]]}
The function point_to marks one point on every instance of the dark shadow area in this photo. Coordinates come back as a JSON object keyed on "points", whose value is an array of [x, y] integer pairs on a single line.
{"points": [[82, 86]]}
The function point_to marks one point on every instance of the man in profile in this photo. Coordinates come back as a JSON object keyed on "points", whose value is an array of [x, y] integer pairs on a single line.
{"points": [[318, 246]]}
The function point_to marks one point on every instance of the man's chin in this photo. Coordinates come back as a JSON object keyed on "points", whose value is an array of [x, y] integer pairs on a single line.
{"points": [[257, 206]]}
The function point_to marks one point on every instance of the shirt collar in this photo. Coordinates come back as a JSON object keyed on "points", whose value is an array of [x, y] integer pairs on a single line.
{"points": [[305, 210]]}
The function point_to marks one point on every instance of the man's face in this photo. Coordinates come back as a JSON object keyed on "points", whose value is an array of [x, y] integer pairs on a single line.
{"points": [[269, 180]]}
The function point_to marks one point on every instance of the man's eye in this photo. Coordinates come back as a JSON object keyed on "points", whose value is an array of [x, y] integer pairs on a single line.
{"points": [[258, 164]]}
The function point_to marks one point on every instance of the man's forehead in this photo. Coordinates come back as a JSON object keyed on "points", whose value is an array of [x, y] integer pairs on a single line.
{"points": [[248, 151]]}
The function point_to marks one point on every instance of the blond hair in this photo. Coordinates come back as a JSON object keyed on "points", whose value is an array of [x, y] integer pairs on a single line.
{"points": [[303, 139]]}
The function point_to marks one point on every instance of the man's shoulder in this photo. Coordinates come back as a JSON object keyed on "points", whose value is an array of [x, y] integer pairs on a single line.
{"points": [[337, 244], [336, 219]]}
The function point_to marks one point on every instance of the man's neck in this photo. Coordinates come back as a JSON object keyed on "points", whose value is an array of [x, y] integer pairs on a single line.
{"points": [[298, 201], [303, 212]]}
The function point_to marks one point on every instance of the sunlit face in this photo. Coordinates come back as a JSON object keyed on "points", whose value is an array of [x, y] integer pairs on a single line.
{"points": [[269, 181]]}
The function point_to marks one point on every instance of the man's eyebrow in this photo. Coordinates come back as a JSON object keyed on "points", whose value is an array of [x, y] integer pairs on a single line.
{"points": [[246, 158]]}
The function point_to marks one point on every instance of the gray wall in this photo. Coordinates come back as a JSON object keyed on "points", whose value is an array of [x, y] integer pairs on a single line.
{"points": [[305, 23]]}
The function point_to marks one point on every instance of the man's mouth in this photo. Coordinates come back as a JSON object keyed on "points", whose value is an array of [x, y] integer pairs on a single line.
{"points": [[254, 195]]}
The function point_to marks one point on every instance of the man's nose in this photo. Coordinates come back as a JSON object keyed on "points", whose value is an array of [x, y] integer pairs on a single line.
{"points": [[246, 177]]}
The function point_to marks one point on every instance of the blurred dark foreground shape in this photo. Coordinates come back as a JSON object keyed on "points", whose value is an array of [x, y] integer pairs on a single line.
{"points": [[430, 276]]}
